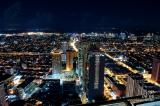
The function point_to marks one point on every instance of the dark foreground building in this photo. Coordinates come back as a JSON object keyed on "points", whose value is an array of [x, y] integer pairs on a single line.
{"points": [[95, 75]]}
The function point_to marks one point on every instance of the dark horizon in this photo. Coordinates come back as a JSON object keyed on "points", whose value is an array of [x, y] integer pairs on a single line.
{"points": [[80, 15]]}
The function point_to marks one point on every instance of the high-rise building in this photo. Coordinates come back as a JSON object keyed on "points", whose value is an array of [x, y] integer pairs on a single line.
{"points": [[156, 70], [63, 58], [70, 56], [137, 86], [82, 57], [64, 46], [133, 81], [95, 75], [2, 95], [53, 88], [56, 62], [75, 64], [69, 87]]}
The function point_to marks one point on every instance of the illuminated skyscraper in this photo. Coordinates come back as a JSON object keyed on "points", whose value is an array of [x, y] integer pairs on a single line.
{"points": [[64, 46], [156, 70], [56, 62], [69, 63], [75, 64], [95, 75], [82, 57]]}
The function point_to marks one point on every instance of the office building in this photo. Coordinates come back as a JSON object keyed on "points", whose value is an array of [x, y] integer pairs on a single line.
{"points": [[56, 62], [53, 90], [3, 86], [137, 86], [95, 75], [70, 56], [75, 59], [63, 60], [2, 95], [64, 46], [133, 81], [69, 87], [82, 57], [156, 70]]}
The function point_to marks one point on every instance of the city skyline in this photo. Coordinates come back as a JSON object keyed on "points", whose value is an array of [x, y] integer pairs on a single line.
{"points": [[63, 69], [79, 53]]}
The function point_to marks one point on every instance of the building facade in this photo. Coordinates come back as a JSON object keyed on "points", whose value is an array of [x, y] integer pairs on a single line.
{"points": [[71, 54], [95, 75], [133, 88], [56, 62], [137, 86], [156, 70]]}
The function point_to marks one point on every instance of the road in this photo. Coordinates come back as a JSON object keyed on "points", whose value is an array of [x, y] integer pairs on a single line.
{"points": [[73, 45], [129, 68]]}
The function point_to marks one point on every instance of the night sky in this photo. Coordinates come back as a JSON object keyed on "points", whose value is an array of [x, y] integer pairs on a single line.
{"points": [[82, 15]]}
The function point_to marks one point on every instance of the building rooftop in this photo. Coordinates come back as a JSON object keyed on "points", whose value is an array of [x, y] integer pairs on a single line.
{"points": [[136, 76], [120, 86], [4, 77], [26, 82], [149, 86]]}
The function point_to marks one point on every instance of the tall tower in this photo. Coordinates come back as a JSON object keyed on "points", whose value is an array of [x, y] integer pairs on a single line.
{"points": [[56, 62], [71, 54], [95, 75], [64, 46], [133, 88], [156, 71], [137, 86], [75, 64], [82, 57]]}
